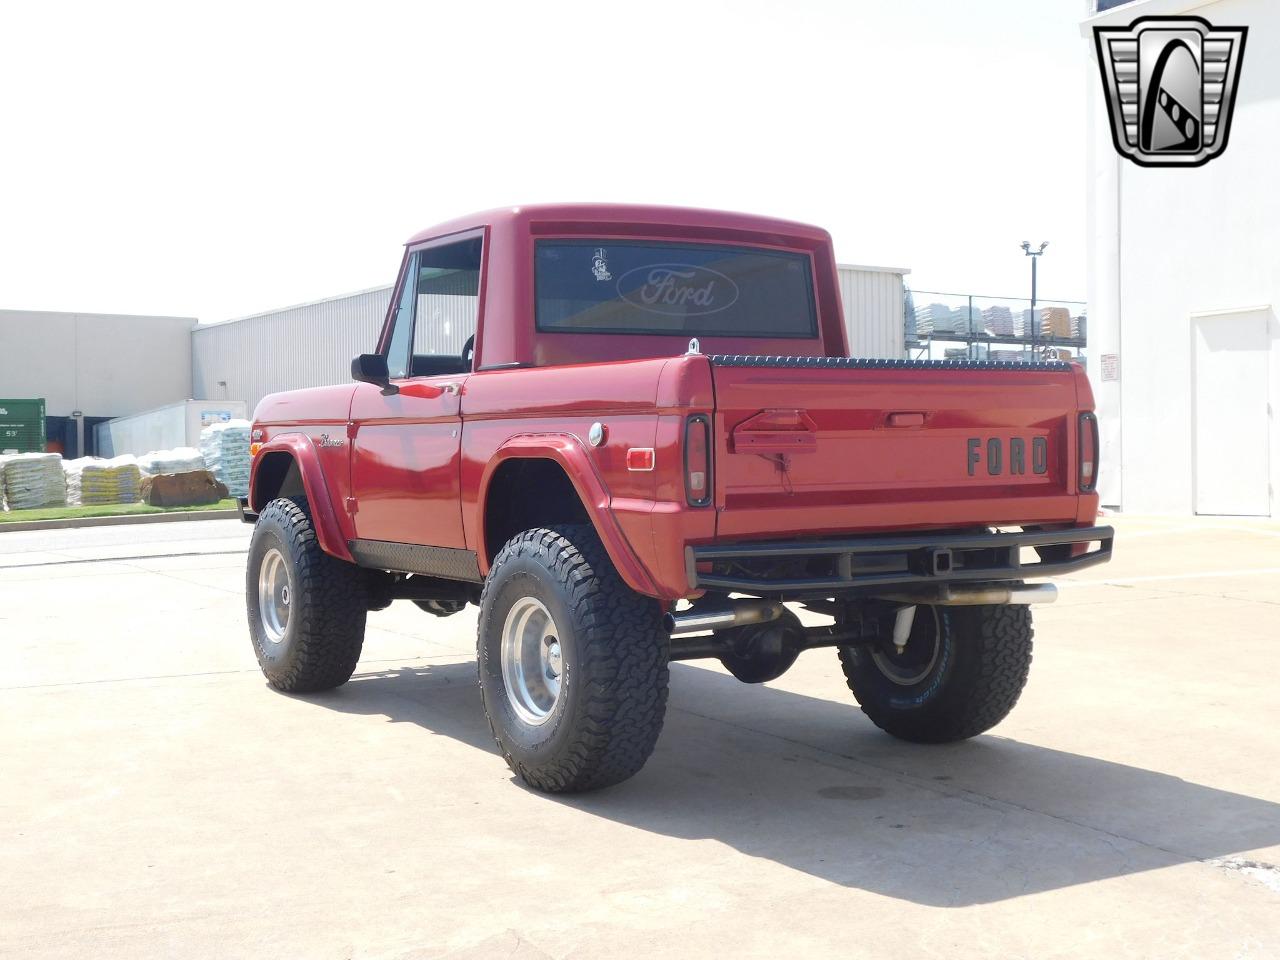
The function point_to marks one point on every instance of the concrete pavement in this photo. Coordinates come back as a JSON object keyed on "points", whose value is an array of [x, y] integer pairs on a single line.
{"points": [[159, 800]]}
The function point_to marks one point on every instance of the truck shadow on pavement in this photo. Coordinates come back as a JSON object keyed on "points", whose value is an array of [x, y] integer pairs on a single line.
{"points": [[812, 785]]}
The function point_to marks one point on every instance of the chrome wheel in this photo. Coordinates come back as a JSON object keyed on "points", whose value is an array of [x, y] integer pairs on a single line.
{"points": [[532, 662], [920, 654], [273, 595]]}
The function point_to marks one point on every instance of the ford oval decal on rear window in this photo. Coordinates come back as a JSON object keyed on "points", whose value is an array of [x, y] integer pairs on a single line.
{"points": [[677, 289]]}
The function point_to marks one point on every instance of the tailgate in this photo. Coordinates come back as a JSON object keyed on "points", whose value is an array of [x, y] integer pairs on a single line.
{"points": [[824, 445]]}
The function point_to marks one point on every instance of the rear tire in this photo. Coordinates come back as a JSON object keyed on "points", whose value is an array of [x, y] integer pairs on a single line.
{"points": [[572, 663], [306, 608], [960, 674]]}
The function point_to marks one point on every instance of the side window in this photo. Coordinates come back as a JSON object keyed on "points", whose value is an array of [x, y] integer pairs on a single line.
{"points": [[447, 308], [402, 327]]}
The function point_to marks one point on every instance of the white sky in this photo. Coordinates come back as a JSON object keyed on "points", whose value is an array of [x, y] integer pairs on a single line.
{"points": [[215, 160]]}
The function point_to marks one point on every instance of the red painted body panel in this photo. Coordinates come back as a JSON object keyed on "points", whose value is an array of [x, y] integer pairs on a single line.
{"points": [[328, 518], [571, 454], [420, 465], [405, 463], [864, 474], [295, 422]]}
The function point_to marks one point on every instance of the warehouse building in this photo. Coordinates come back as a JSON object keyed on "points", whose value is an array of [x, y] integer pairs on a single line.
{"points": [[313, 344], [91, 367], [1184, 287]]}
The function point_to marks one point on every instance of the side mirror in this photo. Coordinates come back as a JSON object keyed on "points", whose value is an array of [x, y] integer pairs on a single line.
{"points": [[372, 368]]}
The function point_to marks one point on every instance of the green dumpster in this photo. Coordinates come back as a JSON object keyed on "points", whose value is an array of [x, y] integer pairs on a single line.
{"points": [[21, 426]]}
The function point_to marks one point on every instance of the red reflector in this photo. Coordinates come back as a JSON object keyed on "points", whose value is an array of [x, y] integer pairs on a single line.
{"points": [[640, 458]]}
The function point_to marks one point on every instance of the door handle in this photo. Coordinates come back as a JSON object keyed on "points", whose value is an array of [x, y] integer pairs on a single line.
{"points": [[428, 391]]}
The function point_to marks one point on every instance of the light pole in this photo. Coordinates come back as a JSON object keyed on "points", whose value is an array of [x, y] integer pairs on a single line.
{"points": [[1034, 255]]}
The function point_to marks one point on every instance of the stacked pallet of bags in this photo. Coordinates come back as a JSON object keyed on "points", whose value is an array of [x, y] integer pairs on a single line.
{"points": [[32, 480], [92, 481], [178, 460], [225, 448]]}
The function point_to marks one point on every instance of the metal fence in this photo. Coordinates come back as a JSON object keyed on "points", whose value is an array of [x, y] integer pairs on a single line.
{"points": [[940, 325]]}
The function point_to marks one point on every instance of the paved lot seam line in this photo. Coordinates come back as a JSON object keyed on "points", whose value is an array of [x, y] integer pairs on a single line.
{"points": [[145, 556]]}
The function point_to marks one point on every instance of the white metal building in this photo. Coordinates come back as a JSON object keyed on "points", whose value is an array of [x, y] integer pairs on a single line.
{"points": [[874, 314], [313, 344], [307, 345], [90, 367], [1184, 287]]}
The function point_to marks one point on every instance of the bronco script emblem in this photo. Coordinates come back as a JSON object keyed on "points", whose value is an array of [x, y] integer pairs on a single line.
{"points": [[1170, 84], [678, 289]]}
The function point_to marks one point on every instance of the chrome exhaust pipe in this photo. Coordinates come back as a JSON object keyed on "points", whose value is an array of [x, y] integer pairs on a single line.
{"points": [[734, 613], [962, 596], [1020, 593]]}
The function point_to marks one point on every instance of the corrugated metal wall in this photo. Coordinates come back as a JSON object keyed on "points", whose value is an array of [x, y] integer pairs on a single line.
{"points": [[313, 344], [304, 346], [873, 311]]}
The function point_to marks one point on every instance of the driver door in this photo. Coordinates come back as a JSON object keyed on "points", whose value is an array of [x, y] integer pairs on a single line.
{"points": [[406, 445]]}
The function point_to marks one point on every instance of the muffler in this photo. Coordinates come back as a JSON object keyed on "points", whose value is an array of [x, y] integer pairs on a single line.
{"points": [[721, 616]]}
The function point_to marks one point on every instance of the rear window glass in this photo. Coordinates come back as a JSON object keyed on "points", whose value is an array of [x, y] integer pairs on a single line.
{"points": [[614, 286]]}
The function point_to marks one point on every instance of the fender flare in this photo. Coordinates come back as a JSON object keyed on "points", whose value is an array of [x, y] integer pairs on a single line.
{"points": [[301, 448], [568, 451]]}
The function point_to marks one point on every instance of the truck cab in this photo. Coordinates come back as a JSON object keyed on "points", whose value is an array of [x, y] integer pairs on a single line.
{"points": [[634, 435]]}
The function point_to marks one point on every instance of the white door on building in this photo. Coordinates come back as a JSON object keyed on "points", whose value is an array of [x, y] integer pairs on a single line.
{"points": [[1232, 432]]}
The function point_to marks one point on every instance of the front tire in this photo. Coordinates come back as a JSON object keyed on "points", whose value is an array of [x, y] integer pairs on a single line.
{"points": [[960, 673], [306, 608], [572, 663]]}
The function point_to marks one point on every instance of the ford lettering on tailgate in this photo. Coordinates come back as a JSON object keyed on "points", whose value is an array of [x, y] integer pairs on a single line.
{"points": [[1008, 457]]}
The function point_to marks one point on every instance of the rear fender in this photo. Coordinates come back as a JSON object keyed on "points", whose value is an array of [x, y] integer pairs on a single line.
{"points": [[568, 452], [303, 452]]}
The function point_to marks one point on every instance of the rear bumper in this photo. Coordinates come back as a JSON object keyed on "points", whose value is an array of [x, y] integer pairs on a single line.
{"points": [[869, 564]]}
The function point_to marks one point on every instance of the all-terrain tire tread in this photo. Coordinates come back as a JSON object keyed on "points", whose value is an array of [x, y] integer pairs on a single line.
{"points": [[329, 607], [623, 658], [999, 637]]}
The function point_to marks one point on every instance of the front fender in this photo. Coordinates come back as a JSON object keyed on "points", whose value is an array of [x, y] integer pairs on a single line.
{"points": [[323, 515], [569, 453]]}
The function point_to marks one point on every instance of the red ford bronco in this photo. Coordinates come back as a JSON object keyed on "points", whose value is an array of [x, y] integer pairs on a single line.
{"points": [[634, 435]]}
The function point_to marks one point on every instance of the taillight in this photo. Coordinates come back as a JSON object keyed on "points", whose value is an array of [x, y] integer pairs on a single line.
{"points": [[1088, 452], [697, 460]]}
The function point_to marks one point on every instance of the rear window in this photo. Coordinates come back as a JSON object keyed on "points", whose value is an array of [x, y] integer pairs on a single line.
{"points": [[615, 286]]}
